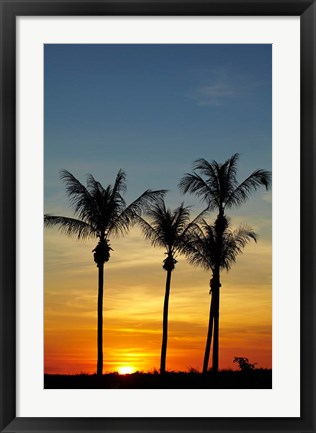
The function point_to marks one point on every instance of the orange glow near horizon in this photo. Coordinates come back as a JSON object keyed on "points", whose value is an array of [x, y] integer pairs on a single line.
{"points": [[134, 285]]}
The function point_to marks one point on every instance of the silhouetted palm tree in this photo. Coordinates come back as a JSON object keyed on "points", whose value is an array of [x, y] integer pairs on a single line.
{"points": [[101, 212], [171, 230], [217, 185], [206, 250]]}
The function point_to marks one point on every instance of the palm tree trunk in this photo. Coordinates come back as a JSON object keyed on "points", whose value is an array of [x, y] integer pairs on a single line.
{"points": [[216, 327], [165, 325], [100, 319], [209, 338]]}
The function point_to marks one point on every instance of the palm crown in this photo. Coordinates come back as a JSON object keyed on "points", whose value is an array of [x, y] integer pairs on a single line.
{"points": [[169, 229], [217, 184], [206, 251], [100, 211]]}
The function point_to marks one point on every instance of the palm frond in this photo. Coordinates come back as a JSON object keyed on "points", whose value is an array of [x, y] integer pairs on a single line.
{"points": [[208, 169], [193, 228], [181, 218], [195, 184], [116, 200], [173, 225], [80, 198], [231, 166], [241, 193], [97, 193], [94, 187], [71, 226], [233, 244], [243, 233], [227, 177], [120, 183], [122, 222], [109, 202], [200, 250], [207, 251], [150, 233], [197, 253]]}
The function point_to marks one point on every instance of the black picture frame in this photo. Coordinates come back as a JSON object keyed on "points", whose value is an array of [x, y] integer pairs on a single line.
{"points": [[10, 9]]}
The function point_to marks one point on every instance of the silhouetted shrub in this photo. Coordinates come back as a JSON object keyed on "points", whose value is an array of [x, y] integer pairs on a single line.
{"points": [[244, 364]]}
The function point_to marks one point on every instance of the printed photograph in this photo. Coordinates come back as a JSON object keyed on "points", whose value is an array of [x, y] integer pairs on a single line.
{"points": [[157, 216]]}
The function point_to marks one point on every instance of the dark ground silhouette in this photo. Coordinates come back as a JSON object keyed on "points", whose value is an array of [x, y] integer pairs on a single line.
{"points": [[225, 379]]}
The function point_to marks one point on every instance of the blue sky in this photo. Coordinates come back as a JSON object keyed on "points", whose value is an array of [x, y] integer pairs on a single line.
{"points": [[152, 110]]}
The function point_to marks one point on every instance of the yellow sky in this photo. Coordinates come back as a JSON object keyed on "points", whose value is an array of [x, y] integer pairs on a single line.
{"points": [[134, 285]]}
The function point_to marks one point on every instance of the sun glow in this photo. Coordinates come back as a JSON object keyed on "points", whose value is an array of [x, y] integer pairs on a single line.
{"points": [[125, 370]]}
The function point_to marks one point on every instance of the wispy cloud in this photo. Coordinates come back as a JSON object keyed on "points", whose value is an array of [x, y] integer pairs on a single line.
{"points": [[214, 94], [221, 85]]}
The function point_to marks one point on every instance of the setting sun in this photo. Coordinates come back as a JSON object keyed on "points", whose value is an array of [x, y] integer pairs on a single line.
{"points": [[125, 370]]}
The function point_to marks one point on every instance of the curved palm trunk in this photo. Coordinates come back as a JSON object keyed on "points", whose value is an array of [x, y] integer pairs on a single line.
{"points": [[220, 226], [209, 337], [213, 321], [216, 329], [165, 324], [100, 319]]}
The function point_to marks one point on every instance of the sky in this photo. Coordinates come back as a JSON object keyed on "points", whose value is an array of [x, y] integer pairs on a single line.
{"points": [[152, 110]]}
